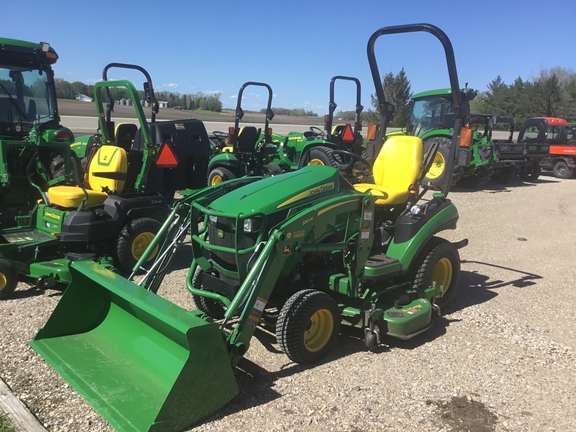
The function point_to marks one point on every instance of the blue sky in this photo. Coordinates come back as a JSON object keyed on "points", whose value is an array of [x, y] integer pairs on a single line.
{"points": [[295, 46]]}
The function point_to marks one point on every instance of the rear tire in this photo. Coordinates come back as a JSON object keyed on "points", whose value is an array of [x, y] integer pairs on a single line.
{"points": [[308, 326], [219, 175], [8, 279], [562, 170], [133, 241], [437, 173], [318, 155], [271, 169], [531, 173], [212, 308], [438, 262]]}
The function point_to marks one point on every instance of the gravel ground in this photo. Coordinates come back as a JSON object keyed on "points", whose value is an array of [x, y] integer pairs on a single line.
{"points": [[501, 359]]}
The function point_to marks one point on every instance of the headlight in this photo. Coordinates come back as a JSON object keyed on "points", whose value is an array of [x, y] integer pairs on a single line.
{"points": [[251, 225], [415, 210], [213, 219]]}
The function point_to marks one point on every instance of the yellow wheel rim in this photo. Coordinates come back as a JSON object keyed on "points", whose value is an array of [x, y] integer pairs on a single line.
{"points": [[442, 274], [216, 180], [140, 244], [438, 166], [315, 161], [3, 281], [319, 330]]}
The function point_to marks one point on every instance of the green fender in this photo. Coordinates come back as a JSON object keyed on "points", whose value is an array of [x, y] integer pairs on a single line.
{"points": [[406, 249], [223, 159], [79, 145]]}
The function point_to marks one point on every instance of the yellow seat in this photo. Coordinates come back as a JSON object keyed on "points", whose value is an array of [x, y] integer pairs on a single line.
{"points": [[106, 172], [398, 165]]}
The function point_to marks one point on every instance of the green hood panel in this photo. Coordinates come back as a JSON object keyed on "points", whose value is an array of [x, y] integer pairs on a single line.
{"points": [[273, 193]]}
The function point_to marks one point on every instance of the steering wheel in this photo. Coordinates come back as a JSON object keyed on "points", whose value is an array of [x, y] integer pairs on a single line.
{"points": [[316, 131], [354, 159]]}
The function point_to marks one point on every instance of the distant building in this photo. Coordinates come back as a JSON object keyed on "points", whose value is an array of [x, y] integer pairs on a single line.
{"points": [[84, 98]]}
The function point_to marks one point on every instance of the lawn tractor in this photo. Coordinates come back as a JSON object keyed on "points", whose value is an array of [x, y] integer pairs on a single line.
{"points": [[111, 210], [34, 148], [345, 136], [163, 156], [432, 118], [303, 252], [252, 151]]}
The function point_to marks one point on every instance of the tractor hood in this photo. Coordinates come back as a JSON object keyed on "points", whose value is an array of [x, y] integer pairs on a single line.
{"points": [[283, 191]]}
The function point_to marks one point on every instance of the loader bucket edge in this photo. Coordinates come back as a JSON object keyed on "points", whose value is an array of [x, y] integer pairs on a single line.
{"points": [[142, 362]]}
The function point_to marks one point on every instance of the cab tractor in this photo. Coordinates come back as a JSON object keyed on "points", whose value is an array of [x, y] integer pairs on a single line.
{"points": [[32, 141], [432, 119], [303, 253], [113, 207]]}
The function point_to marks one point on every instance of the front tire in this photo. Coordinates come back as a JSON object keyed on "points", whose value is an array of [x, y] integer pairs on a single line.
{"points": [[8, 279], [438, 262], [219, 175], [562, 170], [133, 241], [212, 308], [308, 326]]}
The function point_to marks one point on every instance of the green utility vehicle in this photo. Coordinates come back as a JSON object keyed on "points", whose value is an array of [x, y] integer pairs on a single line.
{"points": [[432, 119], [32, 141], [303, 252]]}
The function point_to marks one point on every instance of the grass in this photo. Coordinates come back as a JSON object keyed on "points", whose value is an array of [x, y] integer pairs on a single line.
{"points": [[6, 424]]}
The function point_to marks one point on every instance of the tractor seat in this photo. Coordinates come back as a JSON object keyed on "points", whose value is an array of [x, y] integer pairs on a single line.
{"points": [[247, 138], [398, 165], [106, 172], [124, 135]]}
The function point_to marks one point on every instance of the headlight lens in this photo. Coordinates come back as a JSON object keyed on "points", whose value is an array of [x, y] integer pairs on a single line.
{"points": [[213, 219], [251, 225]]}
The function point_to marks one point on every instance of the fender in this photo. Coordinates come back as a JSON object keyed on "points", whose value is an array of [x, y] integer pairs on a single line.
{"points": [[414, 231], [225, 160]]}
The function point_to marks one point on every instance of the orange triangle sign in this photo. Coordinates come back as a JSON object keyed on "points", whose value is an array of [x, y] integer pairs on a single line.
{"points": [[166, 157], [348, 135]]}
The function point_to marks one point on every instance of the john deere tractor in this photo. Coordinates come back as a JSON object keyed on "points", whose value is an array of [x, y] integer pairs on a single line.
{"points": [[112, 207], [304, 252], [253, 151], [32, 141], [432, 119]]}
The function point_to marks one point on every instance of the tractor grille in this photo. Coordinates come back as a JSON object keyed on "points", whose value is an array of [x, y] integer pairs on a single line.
{"points": [[222, 233]]}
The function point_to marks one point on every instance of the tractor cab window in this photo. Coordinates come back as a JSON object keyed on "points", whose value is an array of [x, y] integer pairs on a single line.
{"points": [[429, 114], [27, 97]]}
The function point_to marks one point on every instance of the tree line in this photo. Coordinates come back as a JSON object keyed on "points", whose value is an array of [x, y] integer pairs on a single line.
{"points": [[209, 102], [298, 112], [551, 94]]}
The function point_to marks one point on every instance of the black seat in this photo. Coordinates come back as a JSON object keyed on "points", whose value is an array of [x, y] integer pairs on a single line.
{"points": [[247, 139], [124, 135]]}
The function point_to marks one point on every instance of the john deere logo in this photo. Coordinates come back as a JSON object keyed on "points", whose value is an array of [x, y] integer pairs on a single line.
{"points": [[286, 249], [220, 233]]}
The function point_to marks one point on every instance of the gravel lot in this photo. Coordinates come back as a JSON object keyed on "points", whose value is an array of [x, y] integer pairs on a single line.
{"points": [[501, 359]]}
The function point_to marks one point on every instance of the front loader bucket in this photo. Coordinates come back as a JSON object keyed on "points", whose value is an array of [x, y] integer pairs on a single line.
{"points": [[142, 362]]}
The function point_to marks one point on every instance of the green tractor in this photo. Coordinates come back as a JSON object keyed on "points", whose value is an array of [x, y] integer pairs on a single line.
{"points": [[304, 252], [181, 149], [252, 151], [32, 141], [432, 119], [112, 208], [345, 136]]}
